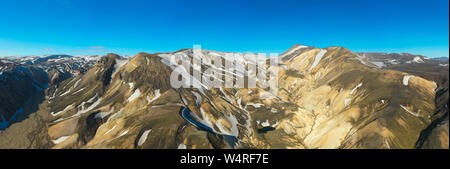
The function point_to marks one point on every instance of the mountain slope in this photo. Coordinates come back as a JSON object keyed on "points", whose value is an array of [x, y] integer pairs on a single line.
{"points": [[435, 70], [24, 80], [20, 86]]}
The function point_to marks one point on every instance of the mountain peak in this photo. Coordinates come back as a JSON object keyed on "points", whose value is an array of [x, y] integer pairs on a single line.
{"points": [[112, 56]]}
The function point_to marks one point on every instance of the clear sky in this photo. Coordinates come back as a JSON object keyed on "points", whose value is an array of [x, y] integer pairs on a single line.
{"points": [[78, 27]]}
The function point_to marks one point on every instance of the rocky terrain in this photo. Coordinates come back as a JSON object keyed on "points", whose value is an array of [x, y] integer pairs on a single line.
{"points": [[436, 70], [25, 79], [327, 98]]}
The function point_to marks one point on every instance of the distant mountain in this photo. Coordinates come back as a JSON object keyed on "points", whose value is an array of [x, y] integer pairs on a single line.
{"points": [[389, 59], [441, 58], [327, 98]]}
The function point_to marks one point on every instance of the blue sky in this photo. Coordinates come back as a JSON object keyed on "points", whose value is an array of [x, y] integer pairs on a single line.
{"points": [[78, 27]]}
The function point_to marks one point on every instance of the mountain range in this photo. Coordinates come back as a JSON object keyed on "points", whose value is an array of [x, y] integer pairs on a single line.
{"points": [[327, 98]]}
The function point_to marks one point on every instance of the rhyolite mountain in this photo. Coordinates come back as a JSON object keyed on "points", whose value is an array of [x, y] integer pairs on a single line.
{"points": [[327, 98], [434, 69]]}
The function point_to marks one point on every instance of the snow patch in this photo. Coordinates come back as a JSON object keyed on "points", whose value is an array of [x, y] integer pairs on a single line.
{"points": [[360, 58], [144, 137], [406, 79], [103, 114], [292, 51], [387, 144], [357, 86], [181, 146], [135, 95], [434, 88], [394, 61], [275, 124], [76, 83], [157, 94], [67, 92], [317, 59], [93, 105], [265, 124], [273, 111], [54, 76], [125, 132], [417, 59], [410, 112], [60, 139], [118, 65], [78, 91], [198, 98], [379, 64], [62, 111], [256, 105], [114, 127]]}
